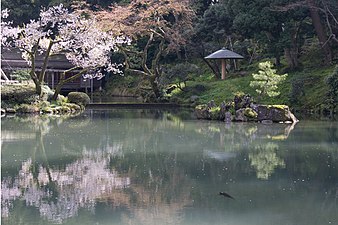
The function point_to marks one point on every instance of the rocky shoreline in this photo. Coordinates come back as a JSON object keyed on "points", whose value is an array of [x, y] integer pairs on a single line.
{"points": [[243, 109], [21, 99]]}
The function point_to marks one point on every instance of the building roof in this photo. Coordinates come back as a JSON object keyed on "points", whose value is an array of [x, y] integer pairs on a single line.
{"points": [[11, 59], [224, 54]]}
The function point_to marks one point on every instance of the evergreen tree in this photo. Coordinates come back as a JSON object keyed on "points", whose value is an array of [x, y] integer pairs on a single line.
{"points": [[266, 80]]}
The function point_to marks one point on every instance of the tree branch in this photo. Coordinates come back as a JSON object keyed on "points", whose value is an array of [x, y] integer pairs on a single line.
{"points": [[158, 56], [145, 54]]}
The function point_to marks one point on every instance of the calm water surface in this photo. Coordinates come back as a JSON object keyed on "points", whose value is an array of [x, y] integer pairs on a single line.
{"points": [[160, 167]]}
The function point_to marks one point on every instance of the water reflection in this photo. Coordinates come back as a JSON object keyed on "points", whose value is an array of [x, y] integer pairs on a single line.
{"points": [[158, 167], [264, 159], [60, 194]]}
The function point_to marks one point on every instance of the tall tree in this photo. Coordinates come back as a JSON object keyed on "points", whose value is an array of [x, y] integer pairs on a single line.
{"points": [[156, 27], [255, 20], [324, 18], [320, 29]]}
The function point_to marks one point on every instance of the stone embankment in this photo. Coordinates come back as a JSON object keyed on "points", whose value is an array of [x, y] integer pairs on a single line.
{"points": [[242, 109]]}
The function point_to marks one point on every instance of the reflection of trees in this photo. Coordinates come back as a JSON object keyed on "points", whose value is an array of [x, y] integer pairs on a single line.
{"points": [[159, 190], [60, 193], [264, 159]]}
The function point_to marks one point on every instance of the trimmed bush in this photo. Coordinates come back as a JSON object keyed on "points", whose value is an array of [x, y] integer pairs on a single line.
{"points": [[18, 94], [79, 98]]}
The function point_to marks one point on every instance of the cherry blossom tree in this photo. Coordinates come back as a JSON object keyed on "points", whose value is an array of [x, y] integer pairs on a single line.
{"points": [[158, 27], [59, 31]]}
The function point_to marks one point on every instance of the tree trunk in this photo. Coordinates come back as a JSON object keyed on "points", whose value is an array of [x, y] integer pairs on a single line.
{"points": [[154, 86], [38, 87], [320, 31], [292, 58], [57, 91]]}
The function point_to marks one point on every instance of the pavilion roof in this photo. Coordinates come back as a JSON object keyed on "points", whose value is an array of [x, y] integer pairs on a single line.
{"points": [[224, 54]]}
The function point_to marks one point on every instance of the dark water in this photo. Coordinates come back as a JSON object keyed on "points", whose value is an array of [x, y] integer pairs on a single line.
{"points": [[160, 167]]}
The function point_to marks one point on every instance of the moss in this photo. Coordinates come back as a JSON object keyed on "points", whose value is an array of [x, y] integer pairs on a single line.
{"points": [[283, 107], [215, 113], [250, 113], [200, 107]]}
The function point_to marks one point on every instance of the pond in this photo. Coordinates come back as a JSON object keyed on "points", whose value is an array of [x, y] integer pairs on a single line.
{"points": [[164, 167]]}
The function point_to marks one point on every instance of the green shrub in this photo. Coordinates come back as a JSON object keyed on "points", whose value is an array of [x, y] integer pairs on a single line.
{"points": [[18, 94], [79, 98], [21, 75]]}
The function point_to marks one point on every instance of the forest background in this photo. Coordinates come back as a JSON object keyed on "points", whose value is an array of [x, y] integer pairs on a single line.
{"points": [[300, 37]]}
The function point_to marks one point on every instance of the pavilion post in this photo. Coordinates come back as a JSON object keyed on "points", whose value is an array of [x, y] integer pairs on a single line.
{"points": [[224, 64]]}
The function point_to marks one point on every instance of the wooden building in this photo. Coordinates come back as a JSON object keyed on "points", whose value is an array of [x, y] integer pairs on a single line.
{"points": [[11, 61]]}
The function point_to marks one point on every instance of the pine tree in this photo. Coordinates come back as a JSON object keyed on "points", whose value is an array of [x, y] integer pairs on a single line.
{"points": [[266, 80]]}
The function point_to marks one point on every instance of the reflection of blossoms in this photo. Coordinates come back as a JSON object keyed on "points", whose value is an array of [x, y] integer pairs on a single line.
{"points": [[8, 195], [59, 194]]}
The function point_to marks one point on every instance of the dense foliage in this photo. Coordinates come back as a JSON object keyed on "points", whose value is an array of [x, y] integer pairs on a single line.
{"points": [[296, 35]]}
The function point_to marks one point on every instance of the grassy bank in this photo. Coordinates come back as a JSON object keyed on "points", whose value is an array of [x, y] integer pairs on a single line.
{"points": [[301, 90]]}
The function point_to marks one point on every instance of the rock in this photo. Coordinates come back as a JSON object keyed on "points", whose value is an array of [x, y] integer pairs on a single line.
{"points": [[202, 112], [267, 122], [47, 110], [10, 110], [25, 108], [228, 117], [225, 107], [194, 98], [211, 104], [275, 113], [240, 116], [242, 101], [214, 113]]}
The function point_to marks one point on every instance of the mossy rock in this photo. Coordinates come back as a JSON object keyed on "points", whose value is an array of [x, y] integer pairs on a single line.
{"points": [[215, 113], [79, 98], [250, 113], [73, 107], [65, 110], [26, 108], [275, 113], [202, 112], [47, 110]]}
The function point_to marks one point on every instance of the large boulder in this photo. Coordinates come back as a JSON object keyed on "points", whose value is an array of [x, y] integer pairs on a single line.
{"points": [[275, 113], [208, 111], [202, 112]]}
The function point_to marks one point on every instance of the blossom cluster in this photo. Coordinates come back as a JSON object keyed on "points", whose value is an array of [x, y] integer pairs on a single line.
{"points": [[59, 31]]}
